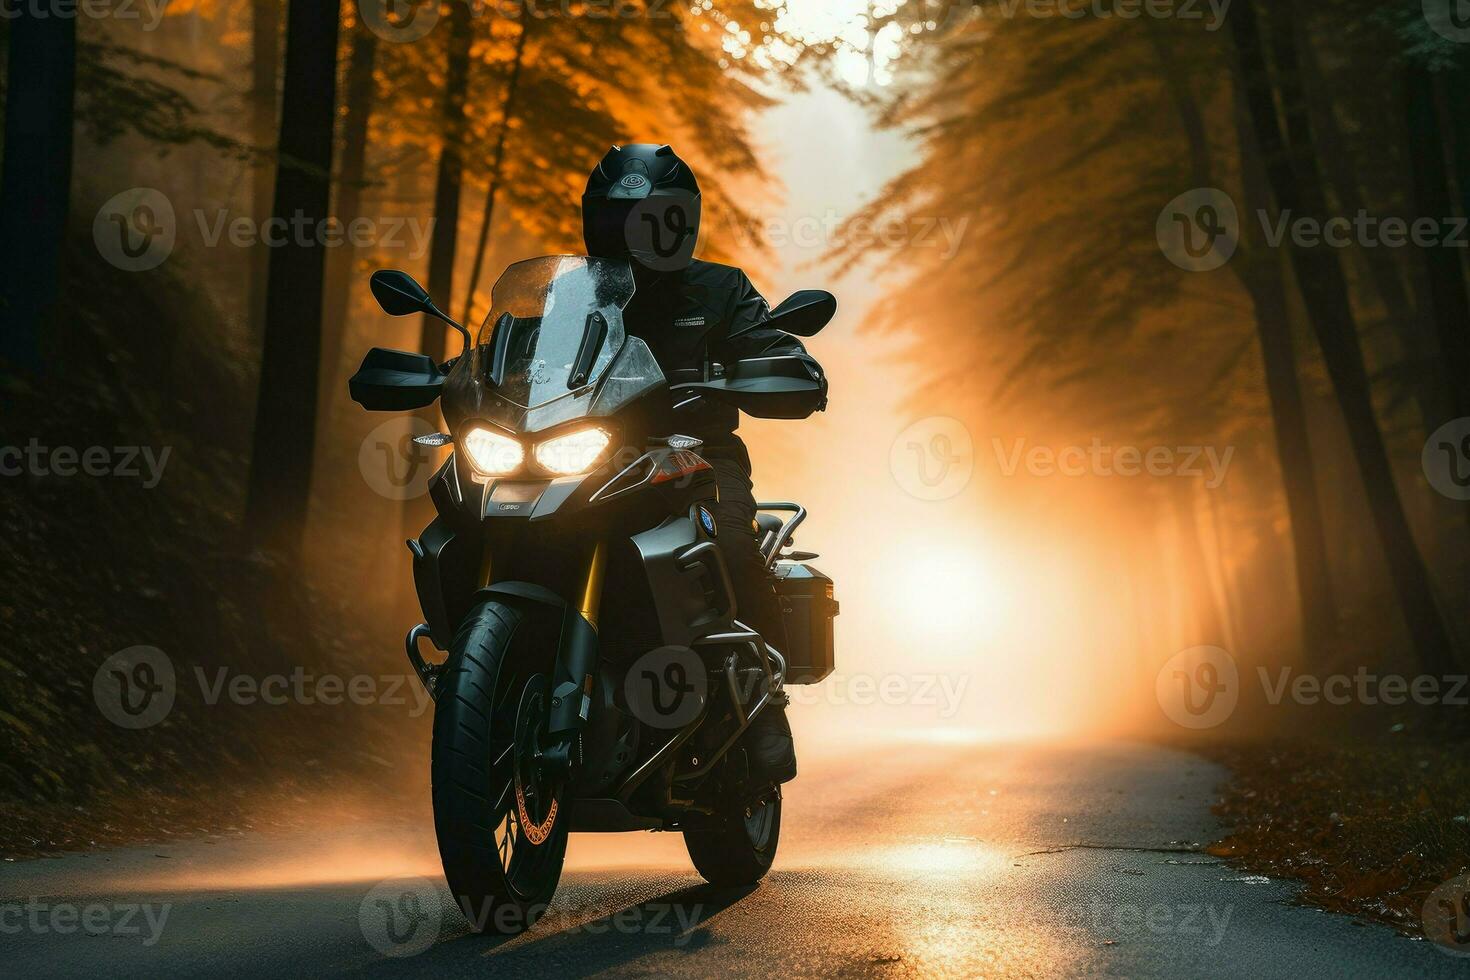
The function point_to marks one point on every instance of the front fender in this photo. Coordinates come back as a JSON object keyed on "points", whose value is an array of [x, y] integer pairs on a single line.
{"points": [[556, 622]]}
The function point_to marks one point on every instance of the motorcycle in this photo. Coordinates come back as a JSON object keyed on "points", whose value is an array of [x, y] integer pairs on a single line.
{"points": [[596, 677]]}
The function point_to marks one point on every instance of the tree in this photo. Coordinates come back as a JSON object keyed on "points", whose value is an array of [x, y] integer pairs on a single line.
{"points": [[265, 63], [286, 409], [35, 185], [448, 185], [359, 97], [1292, 168], [508, 108]]}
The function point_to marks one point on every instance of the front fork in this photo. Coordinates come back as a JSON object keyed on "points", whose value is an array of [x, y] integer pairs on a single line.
{"points": [[570, 711]]}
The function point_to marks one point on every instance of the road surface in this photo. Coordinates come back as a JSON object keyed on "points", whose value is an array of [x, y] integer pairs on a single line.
{"points": [[932, 859]]}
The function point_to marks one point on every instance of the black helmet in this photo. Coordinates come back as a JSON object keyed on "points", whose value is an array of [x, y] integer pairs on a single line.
{"points": [[642, 203]]}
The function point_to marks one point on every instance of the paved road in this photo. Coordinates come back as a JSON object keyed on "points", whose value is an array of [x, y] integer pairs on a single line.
{"points": [[936, 860]]}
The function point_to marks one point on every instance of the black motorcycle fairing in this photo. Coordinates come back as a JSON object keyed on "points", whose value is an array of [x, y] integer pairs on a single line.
{"points": [[782, 386], [691, 589], [395, 381], [445, 569]]}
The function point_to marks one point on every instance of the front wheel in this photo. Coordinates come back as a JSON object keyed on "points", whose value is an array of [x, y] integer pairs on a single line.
{"points": [[739, 848], [499, 812]]}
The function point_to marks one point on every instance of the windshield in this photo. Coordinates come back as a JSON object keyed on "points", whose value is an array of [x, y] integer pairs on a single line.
{"points": [[553, 347], [544, 314]]}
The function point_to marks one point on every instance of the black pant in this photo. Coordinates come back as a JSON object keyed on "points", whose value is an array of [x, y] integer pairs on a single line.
{"points": [[755, 596]]}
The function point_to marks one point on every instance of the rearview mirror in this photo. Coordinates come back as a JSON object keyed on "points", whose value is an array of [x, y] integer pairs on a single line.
{"points": [[399, 294], [805, 312]]}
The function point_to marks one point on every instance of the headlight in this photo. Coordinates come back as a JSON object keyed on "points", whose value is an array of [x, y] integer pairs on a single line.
{"points": [[573, 453], [492, 453]]}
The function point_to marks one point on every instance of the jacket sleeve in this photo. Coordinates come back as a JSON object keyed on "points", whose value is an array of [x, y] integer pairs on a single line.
{"points": [[745, 332]]}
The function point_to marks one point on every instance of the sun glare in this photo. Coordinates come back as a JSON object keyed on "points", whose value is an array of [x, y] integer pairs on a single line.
{"points": [[948, 595]]}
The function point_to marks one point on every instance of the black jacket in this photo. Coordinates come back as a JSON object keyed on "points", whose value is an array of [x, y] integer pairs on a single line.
{"points": [[706, 311]]}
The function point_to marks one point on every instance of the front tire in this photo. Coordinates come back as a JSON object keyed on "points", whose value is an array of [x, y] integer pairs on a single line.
{"points": [[740, 847], [501, 825]]}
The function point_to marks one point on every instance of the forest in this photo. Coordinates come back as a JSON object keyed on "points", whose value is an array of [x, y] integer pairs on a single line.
{"points": [[1235, 231]]}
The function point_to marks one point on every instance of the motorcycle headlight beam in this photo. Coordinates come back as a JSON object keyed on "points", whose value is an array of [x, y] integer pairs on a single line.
{"points": [[573, 453], [493, 454]]}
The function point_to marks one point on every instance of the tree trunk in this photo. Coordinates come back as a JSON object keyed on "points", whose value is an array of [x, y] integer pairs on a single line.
{"points": [[1292, 170], [351, 179], [35, 185], [265, 63], [507, 112], [1260, 274], [1198, 592], [285, 415], [1385, 270], [1433, 199], [444, 242]]}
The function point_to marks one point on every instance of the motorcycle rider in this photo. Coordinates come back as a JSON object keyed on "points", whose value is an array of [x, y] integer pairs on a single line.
{"points": [[642, 205]]}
